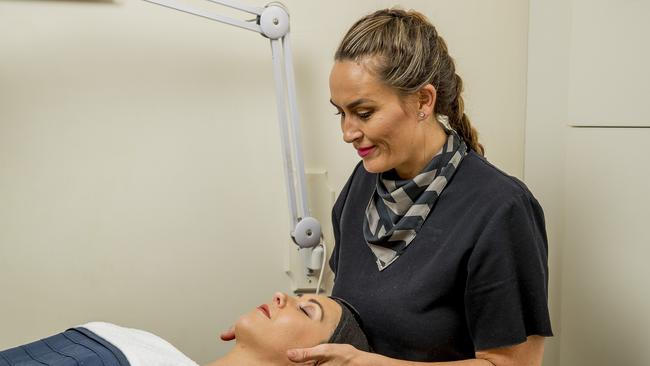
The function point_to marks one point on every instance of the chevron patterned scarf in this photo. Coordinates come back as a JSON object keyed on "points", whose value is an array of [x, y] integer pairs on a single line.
{"points": [[398, 207]]}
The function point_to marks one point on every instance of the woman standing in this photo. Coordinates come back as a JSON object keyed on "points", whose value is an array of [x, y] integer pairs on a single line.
{"points": [[443, 255]]}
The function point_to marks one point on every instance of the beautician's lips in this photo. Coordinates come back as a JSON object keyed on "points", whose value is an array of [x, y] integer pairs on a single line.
{"points": [[265, 309], [364, 151]]}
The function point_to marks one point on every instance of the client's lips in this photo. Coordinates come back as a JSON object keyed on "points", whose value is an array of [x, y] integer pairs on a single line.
{"points": [[265, 309]]}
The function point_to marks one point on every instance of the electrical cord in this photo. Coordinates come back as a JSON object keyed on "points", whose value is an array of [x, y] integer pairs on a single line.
{"points": [[322, 267]]}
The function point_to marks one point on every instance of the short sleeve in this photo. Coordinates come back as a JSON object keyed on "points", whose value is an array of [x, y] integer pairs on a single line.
{"points": [[506, 294]]}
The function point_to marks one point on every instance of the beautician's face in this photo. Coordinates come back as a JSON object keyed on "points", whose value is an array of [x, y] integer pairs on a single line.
{"points": [[374, 120], [288, 322]]}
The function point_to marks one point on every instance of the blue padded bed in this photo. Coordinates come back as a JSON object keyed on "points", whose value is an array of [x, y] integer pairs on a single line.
{"points": [[74, 347]]}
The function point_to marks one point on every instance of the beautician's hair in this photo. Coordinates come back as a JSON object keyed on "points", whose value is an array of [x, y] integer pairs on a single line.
{"points": [[411, 55]]}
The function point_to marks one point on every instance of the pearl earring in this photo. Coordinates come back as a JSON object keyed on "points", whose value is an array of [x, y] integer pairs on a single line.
{"points": [[421, 115]]}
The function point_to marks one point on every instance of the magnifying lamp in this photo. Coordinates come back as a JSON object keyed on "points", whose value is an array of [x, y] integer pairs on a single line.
{"points": [[272, 22]]}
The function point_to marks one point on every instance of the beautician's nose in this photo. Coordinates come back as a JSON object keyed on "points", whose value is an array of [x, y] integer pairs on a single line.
{"points": [[350, 130], [280, 299]]}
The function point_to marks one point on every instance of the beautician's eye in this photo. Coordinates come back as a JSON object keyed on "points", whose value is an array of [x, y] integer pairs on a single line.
{"points": [[339, 113], [364, 115]]}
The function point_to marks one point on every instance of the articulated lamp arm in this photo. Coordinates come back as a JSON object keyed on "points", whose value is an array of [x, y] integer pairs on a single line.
{"points": [[272, 21]]}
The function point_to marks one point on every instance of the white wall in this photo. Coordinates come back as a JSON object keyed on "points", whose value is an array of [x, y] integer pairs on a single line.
{"points": [[548, 59], [609, 84], [605, 291], [586, 72], [140, 172]]}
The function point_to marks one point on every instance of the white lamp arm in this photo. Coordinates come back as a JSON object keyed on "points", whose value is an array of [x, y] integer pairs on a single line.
{"points": [[239, 6], [206, 14], [272, 22]]}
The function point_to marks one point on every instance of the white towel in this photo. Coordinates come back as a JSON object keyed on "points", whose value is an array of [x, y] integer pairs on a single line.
{"points": [[140, 348]]}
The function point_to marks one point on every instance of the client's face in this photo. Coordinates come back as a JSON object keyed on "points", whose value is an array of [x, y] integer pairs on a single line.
{"points": [[288, 322]]}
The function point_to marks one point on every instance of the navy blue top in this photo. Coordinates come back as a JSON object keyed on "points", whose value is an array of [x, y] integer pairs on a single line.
{"points": [[475, 277]]}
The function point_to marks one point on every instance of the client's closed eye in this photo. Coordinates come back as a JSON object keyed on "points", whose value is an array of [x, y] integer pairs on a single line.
{"points": [[308, 310], [312, 308]]}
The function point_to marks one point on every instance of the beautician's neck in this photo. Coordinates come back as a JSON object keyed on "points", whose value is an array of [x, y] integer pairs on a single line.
{"points": [[433, 138], [241, 356]]}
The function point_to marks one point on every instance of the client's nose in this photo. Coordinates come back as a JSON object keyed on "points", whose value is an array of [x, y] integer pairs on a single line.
{"points": [[280, 299]]}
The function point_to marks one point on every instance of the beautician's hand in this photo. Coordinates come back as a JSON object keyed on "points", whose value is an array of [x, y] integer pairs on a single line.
{"points": [[328, 355], [228, 335]]}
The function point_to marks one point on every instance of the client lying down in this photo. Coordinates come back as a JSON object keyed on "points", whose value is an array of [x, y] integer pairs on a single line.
{"points": [[262, 338]]}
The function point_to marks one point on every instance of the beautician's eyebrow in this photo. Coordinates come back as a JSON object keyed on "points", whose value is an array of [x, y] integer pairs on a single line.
{"points": [[353, 104]]}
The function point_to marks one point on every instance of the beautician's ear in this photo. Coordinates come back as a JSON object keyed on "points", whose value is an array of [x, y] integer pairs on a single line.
{"points": [[427, 99]]}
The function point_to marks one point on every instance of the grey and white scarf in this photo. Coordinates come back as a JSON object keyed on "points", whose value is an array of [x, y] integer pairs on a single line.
{"points": [[398, 207]]}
